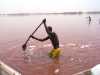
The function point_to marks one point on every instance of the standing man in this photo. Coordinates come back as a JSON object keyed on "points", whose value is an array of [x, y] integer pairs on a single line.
{"points": [[89, 19], [53, 38]]}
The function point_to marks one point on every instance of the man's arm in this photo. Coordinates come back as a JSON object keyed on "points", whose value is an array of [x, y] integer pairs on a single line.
{"points": [[44, 21], [40, 39]]}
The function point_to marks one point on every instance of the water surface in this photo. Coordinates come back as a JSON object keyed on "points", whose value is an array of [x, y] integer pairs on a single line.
{"points": [[79, 42]]}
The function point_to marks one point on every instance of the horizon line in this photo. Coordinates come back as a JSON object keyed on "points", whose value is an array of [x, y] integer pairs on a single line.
{"points": [[44, 13]]}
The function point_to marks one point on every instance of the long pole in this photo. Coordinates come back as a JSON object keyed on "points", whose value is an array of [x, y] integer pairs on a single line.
{"points": [[25, 44]]}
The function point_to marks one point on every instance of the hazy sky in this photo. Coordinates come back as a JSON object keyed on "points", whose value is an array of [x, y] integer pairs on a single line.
{"points": [[48, 5]]}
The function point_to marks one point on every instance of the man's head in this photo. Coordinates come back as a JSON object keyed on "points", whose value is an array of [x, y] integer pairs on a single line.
{"points": [[50, 28]]}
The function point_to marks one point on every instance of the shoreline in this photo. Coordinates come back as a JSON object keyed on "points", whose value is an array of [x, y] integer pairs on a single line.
{"points": [[51, 13]]}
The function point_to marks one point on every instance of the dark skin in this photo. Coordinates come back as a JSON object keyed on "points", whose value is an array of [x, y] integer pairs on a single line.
{"points": [[51, 35]]}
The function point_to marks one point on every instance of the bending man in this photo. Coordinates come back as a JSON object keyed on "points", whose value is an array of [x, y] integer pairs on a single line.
{"points": [[53, 38]]}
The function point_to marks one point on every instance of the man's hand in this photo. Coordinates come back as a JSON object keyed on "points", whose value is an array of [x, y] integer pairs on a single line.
{"points": [[44, 21], [31, 36]]}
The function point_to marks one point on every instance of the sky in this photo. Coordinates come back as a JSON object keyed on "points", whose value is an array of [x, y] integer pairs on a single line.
{"points": [[33, 6]]}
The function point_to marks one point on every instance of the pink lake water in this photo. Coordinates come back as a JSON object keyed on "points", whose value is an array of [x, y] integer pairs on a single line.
{"points": [[79, 42]]}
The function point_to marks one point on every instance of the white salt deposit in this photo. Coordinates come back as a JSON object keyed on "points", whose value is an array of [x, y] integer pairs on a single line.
{"points": [[84, 46], [47, 45], [56, 71], [71, 44]]}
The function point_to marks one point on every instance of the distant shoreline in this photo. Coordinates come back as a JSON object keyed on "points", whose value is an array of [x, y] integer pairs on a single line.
{"points": [[63, 13]]}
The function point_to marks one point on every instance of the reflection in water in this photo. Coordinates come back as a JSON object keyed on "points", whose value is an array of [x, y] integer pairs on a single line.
{"points": [[54, 67]]}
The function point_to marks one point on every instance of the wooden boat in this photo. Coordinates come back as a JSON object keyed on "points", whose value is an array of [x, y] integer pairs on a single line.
{"points": [[6, 70]]}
